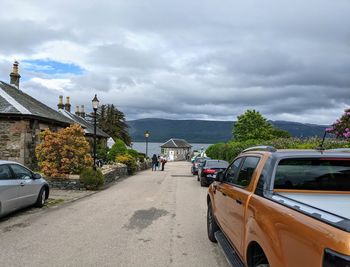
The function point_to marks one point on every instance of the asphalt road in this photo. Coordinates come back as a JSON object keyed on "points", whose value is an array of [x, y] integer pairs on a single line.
{"points": [[150, 219]]}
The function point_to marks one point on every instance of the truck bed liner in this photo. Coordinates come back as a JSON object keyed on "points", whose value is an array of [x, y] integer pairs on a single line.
{"points": [[333, 209], [338, 204]]}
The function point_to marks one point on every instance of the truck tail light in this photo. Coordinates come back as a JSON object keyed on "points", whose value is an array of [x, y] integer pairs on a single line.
{"points": [[334, 259], [209, 171]]}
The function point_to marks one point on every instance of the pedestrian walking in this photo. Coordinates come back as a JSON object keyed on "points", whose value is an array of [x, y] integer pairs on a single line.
{"points": [[158, 162], [163, 161], [154, 162]]}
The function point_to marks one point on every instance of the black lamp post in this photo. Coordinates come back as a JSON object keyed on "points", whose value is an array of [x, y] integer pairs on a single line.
{"points": [[146, 137], [95, 104]]}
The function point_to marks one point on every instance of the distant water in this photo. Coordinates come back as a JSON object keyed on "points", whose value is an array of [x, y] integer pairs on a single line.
{"points": [[154, 148]]}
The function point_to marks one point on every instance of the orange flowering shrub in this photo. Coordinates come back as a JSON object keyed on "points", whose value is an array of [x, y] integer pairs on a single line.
{"points": [[64, 152]]}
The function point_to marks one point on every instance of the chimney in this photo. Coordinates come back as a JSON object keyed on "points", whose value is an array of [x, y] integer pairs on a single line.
{"points": [[14, 75], [67, 105], [77, 111], [60, 102], [82, 111]]}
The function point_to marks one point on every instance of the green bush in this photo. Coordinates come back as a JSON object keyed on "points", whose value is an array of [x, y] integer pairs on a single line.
{"points": [[133, 153], [119, 148], [141, 158], [232, 149], [91, 179], [129, 161]]}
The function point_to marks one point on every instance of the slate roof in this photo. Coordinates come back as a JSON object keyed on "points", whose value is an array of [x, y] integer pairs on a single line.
{"points": [[16, 103], [176, 143], [86, 125]]}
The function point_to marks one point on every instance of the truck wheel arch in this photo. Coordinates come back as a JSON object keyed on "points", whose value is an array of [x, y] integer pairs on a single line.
{"points": [[256, 255]]}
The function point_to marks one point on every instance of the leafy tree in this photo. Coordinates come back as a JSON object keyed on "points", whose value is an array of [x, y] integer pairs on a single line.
{"points": [[341, 127], [63, 152], [252, 125], [279, 133], [112, 121]]}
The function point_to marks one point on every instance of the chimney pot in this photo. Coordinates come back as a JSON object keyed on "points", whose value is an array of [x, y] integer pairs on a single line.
{"points": [[77, 111], [14, 75], [60, 102], [67, 105], [82, 111]]}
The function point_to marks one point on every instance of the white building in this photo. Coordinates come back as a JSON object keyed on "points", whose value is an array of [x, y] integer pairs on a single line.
{"points": [[176, 149]]}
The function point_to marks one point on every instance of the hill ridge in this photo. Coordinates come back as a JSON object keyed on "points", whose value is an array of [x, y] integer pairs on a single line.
{"points": [[207, 131]]}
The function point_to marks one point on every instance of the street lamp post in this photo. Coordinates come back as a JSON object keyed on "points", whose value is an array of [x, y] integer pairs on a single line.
{"points": [[146, 137], [95, 104]]}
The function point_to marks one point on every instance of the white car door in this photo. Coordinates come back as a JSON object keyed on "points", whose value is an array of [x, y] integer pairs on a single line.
{"points": [[8, 190]]}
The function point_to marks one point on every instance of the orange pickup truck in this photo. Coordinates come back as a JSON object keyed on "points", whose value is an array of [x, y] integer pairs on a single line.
{"points": [[283, 208]]}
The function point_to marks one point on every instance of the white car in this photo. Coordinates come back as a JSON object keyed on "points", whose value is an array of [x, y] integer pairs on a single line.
{"points": [[20, 187]]}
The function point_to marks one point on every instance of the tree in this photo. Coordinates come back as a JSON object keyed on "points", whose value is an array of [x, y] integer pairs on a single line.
{"points": [[252, 125], [112, 121], [63, 152], [341, 127]]}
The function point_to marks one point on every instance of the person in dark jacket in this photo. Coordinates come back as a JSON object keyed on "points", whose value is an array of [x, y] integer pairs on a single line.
{"points": [[154, 162]]}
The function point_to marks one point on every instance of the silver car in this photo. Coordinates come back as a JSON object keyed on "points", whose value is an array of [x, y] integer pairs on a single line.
{"points": [[20, 187]]}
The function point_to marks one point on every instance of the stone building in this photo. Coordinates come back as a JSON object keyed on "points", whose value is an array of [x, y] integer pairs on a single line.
{"points": [[79, 118], [176, 149], [22, 118]]}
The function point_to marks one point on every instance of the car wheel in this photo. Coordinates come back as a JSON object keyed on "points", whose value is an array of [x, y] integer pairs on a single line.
{"points": [[202, 182], [41, 198], [212, 227]]}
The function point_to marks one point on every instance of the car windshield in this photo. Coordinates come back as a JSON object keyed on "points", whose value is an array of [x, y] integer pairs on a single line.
{"points": [[323, 174], [216, 164]]}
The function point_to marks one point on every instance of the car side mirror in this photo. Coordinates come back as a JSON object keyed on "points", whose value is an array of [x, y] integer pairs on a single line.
{"points": [[220, 176], [37, 176]]}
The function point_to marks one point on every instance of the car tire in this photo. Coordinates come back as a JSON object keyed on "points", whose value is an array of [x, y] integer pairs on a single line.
{"points": [[41, 198], [212, 226], [202, 182]]}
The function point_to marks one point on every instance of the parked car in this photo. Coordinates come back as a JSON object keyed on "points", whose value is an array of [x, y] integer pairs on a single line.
{"points": [[283, 208], [20, 187], [208, 169], [196, 162]]}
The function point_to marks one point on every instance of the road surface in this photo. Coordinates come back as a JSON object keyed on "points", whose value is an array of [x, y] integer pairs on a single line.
{"points": [[150, 219]]}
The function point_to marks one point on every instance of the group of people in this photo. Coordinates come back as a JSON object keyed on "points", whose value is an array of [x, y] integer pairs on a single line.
{"points": [[158, 162]]}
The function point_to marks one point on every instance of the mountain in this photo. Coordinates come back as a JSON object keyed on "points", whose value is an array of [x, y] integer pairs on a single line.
{"points": [[201, 131]]}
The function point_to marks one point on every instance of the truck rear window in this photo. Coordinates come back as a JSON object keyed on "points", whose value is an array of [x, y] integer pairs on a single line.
{"points": [[313, 174]]}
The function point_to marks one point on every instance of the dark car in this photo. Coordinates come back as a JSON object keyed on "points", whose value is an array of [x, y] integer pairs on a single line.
{"points": [[196, 162], [208, 169]]}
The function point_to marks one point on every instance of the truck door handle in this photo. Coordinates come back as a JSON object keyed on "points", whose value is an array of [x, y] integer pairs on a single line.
{"points": [[239, 201], [21, 184]]}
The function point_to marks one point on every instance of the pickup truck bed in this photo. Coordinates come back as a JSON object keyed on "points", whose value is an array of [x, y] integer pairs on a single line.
{"points": [[337, 204]]}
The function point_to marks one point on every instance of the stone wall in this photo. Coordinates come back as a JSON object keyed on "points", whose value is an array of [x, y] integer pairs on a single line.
{"points": [[111, 173], [18, 139], [12, 139]]}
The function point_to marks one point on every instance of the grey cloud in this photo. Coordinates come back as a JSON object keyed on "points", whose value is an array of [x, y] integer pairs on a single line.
{"points": [[195, 59]]}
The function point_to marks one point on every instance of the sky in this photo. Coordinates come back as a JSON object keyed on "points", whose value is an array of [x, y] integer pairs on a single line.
{"points": [[199, 59]]}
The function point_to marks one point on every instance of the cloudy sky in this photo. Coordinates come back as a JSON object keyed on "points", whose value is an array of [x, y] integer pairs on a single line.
{"points": [[183, 59]]}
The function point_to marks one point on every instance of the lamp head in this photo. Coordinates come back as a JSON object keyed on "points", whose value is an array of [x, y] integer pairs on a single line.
{"points": [[95, 103]]}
